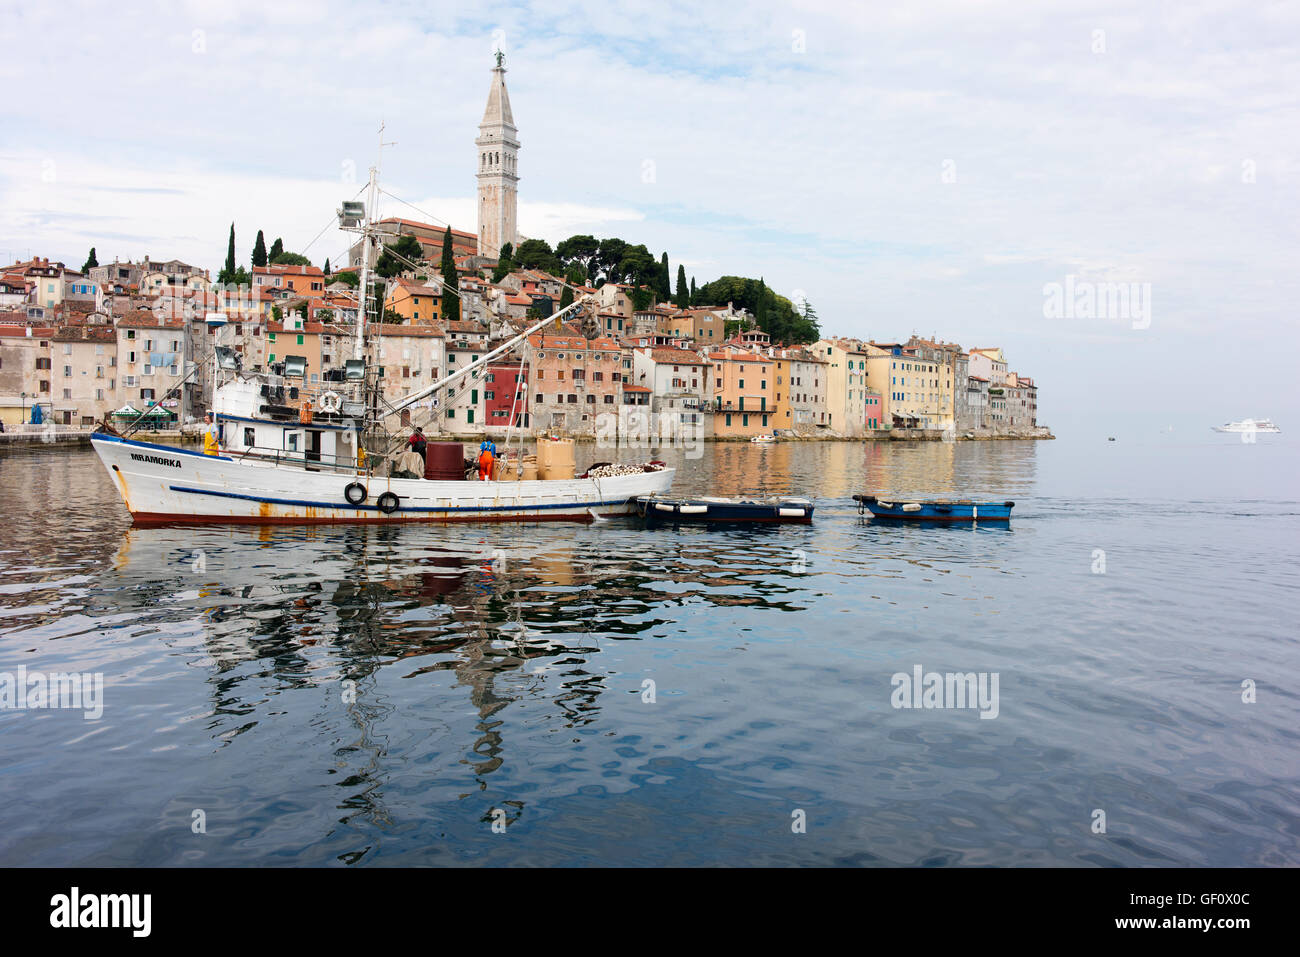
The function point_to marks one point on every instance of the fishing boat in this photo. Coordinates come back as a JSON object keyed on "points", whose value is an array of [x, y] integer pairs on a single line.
{"points": [[1248, 425], [654, 508], [283, 455], [939, 510]]}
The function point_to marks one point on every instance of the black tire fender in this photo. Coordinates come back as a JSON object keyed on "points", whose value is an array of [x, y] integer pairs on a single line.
{"points": [[388, 502], [355, 493]]}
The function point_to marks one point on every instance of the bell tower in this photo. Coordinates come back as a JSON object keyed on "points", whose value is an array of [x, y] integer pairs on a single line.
{"points": [[498, 171]]}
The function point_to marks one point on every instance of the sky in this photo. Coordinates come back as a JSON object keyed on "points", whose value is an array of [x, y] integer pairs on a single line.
{"points": [[951, 168]]}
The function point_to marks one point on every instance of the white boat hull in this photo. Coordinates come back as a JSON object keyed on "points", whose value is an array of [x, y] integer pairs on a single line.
{"points": [[162, 484]]}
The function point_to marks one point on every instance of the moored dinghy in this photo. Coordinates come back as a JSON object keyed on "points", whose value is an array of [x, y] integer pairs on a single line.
{"points": [[653, 509], [938, 510]]}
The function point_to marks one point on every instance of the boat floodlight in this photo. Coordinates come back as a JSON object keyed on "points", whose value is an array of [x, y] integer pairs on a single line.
{"points": [[352, 213], [295, 365], [226, 357], [354, 369]]}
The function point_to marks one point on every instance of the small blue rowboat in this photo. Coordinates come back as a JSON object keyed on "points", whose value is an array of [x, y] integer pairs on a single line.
{"points": [[942, 510]]}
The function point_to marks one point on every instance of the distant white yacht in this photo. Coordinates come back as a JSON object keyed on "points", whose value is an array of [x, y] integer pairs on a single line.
{"points": [[1248, 425]]}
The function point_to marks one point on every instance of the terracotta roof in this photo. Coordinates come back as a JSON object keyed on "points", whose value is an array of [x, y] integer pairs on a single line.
{"points": [[420, 330], [85, 334], [635, 388], [20, 331], [678, 356], [141, 318]]}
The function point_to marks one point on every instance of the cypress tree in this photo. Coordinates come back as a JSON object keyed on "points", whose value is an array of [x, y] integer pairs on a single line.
{"points": [[566, 298], [327, 266], [277, 247], [451, 289], [228, 273], [259, 250], [695, 296], [760, 308], [683, 297], [664, 288]]}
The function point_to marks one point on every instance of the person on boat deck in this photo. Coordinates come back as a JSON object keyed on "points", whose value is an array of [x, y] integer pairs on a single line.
{"points": [[209, 435], [486, 457], [418, 442]]}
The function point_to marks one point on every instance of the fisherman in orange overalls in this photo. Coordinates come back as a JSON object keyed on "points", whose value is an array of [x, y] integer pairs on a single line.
{"points": [[485, 460]]}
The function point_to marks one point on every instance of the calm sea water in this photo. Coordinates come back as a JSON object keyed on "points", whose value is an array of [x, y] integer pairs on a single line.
{"points": [[369, 696]]}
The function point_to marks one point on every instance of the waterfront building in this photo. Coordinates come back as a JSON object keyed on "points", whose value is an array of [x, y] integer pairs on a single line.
{"points": [[573, 380], [85, 373], [505, 391], [846, 384], [744, 392], [678, 380], [807, 387], [989, 364], [25, 374]]}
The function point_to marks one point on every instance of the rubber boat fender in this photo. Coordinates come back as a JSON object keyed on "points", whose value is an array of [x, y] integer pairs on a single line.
{"points": [[885, 504], [790, 512], [911, 507], [693, 509], [388, 502], [663, 507], [355, 493]]}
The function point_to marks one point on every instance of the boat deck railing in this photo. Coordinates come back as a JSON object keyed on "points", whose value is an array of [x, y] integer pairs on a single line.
{"points": [[312, 460]]}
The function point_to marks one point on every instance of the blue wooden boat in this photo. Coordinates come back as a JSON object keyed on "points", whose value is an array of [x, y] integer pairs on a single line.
{"points": [[939, 510], [654, 508]]}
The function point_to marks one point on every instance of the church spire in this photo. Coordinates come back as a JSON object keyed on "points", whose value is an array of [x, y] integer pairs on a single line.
{"points": [[498, 103], [498, 171]]}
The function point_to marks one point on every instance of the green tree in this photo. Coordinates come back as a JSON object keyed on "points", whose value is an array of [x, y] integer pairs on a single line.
{"points": [[608, 257], [695, 296], [290, 259], [276, 313], [277, 247], [451, 289], [259, 250], [505, 263], [537, 254], [91, 261], [348, 276], [408, 248], [760, 308], [228, 271], [663, 288], [327, 266], [302, 311], [325, 315], [581, 250], [641, 297], [566, 297], [683, 297]]}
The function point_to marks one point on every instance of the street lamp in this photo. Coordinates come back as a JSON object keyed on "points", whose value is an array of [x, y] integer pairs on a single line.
{"points": [[23, 420]]}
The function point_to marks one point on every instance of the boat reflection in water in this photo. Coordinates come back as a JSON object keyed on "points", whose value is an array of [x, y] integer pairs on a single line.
{"points": [[432, 633]]}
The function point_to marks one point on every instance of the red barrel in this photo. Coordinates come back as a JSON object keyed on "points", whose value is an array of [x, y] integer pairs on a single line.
{"points": [[444, 462]]}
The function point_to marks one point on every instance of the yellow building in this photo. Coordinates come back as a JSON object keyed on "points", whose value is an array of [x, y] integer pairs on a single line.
{"points": [[846, 384], [911, 387], [415, 302]]}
